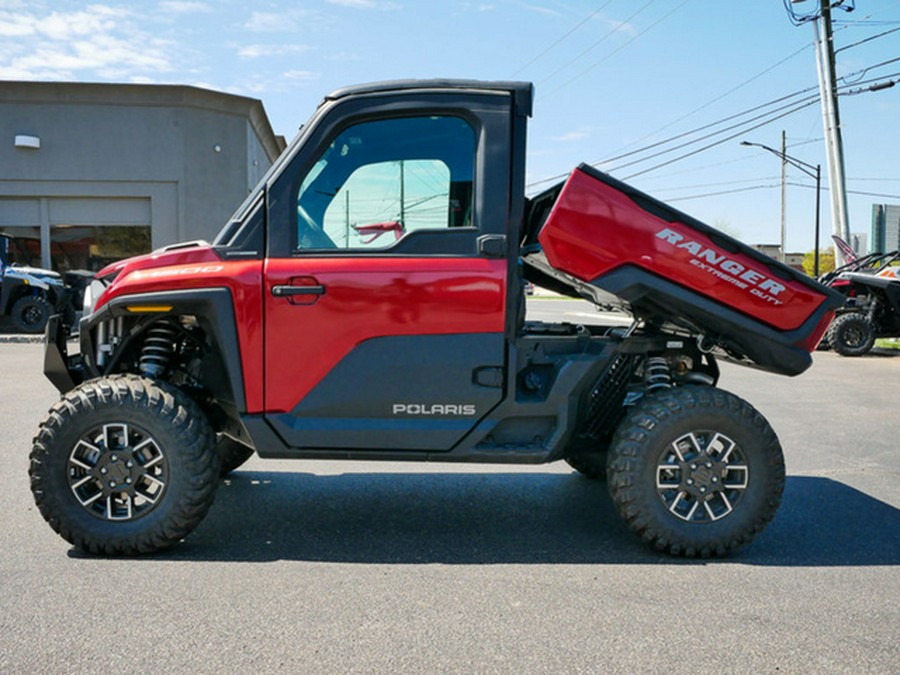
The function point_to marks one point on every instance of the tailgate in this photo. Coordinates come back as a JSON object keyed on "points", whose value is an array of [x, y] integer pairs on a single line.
{"points": [[668, 268]]}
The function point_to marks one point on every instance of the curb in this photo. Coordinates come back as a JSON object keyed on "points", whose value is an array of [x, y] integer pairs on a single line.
{"points": [[21, 339]]}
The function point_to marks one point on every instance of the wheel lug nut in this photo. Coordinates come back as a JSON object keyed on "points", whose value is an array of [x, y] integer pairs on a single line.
{"points": [[715, 480], [112, 483], [129, 464], [114, 458], [709, 465], [104, 470], [128, 480], [690, 481], [693, 467], [703, 489]]}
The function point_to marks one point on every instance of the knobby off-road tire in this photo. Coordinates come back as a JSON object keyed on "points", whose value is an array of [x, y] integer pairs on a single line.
{"points": [[696, 471], [124, 465], [232, 454], [30, 314], [590, 464], [851, 334]]}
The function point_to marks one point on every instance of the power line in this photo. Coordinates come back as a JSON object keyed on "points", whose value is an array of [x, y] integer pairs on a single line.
{"points": [[791, 108], [724, 140], [598, 42], [863, 71], [726, 94], [692, 132], [621, 47], [724, 192], [868, 39], [803, 103], [714, 124], [717, 184], [564, 36]]}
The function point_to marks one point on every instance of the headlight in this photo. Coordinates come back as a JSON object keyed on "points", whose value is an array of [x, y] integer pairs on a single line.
{"points": [[91, 294]]}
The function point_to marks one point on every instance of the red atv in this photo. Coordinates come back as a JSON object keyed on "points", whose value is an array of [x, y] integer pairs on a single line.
{"points": [[299, 334]]}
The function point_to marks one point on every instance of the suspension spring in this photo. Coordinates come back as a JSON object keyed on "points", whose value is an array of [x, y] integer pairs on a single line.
{"points": [[657, 374], [158, 348]]}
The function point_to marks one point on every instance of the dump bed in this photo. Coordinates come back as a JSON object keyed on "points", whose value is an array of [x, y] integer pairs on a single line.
{"points": [[594, 236]]}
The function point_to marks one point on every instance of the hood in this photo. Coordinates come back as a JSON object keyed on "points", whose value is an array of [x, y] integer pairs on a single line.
{"points": [[176, 254], [36, 272]]}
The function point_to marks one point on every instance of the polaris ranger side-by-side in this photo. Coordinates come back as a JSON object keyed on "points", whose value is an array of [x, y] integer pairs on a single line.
{"points": [[302, 332]]}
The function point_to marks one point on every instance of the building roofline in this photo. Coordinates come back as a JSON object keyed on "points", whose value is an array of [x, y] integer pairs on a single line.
{"points": [[156, 95]]}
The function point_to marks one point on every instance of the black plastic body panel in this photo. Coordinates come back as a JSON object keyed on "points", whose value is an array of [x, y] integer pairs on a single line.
{"points": [[400, 392]]}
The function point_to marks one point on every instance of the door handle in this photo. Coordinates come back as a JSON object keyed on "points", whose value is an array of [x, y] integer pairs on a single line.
{"points": [[290, 291]]}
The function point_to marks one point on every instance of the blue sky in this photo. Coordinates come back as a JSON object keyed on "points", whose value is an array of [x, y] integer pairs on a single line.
{"points": [[612, 76]]}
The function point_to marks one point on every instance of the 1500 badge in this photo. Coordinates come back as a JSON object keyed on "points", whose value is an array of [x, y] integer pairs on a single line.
{"points": [[465, 409]]}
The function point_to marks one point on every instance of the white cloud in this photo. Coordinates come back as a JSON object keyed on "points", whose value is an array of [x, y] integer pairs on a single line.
{"points": [[288, 21], [300, 75], [262, 50], [357, 4], [97, 40], [621, 27], [542, 10], [182, 7], [571, 136], [268, 22], [366, 4]]}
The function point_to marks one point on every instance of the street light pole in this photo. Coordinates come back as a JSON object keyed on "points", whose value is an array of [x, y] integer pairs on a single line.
{"points": [[783, 193], [812, 172], [818, 201]]}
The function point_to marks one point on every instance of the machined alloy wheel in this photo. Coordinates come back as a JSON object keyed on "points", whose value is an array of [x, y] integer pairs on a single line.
{"points": [[124, 465], [118, 471], [695, 471], [702, 477]]}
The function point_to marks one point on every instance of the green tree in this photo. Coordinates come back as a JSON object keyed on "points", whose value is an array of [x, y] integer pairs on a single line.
{"points": [[826, 261]]}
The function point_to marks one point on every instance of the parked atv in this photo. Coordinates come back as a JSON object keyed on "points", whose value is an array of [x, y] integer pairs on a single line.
{"points": [[29, 295], [871, 309]]}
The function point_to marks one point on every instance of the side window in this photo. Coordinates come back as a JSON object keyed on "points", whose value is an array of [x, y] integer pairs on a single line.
{"points": [[379, 181]]}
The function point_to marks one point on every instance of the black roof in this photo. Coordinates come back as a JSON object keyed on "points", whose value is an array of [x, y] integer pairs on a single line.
{"points": [[522, 92]]}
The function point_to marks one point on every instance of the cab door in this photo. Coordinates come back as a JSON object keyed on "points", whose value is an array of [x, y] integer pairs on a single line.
{"points": [[385, 290]]}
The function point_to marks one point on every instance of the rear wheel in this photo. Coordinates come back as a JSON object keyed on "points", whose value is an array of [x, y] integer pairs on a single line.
{"points": [[851, 334], [696, 471], [124, 465], [30, 314]]}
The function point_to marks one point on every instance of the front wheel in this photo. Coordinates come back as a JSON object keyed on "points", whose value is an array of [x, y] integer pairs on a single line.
{"points": [[696, 471], [124, 465], [852, 334], [30, 313]]}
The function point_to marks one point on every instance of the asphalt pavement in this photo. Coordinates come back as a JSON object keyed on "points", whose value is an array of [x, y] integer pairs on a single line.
{"points": [[394, 568]]}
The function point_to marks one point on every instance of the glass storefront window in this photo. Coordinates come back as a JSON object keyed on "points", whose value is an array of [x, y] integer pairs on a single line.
{"points": [[82, 247]]}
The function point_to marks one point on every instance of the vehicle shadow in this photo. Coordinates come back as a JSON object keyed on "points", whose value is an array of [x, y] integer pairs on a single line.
{"points": [[504, 518]]}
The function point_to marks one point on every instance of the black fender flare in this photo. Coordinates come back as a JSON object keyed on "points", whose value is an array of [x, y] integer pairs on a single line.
{"points": [[214, 310]]}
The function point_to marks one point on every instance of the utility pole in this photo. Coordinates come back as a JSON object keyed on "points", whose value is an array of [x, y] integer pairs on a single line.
{"points": [[347, 215], [402, 195], [834, 147], [783, 192]]}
